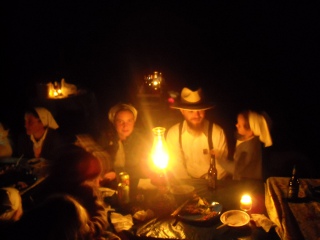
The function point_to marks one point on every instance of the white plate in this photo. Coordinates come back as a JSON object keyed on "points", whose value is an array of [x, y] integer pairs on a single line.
{"points": [[235, 218], [181, 189]]}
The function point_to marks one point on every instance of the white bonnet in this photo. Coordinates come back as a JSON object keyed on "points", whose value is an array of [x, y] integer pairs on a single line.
{"points": [[259, 127], [119, 107], [46, 118]]}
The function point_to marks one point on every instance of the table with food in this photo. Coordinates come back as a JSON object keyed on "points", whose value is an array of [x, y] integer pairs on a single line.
{"points": [[22, 173], [188, 209]]}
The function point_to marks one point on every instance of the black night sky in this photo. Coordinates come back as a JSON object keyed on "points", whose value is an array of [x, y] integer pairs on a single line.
{"points": [[262, 55]]}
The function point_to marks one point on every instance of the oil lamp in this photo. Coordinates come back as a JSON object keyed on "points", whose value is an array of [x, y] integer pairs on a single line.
{"points": [[163, 202], [159, 156]]}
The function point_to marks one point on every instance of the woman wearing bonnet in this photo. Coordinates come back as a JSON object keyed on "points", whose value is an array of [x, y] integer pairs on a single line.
{"points": [[127, 145], [41, 139], [253, 134]]}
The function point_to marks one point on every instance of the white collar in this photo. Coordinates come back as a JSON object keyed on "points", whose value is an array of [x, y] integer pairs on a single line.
{"points": [[39, 143]]}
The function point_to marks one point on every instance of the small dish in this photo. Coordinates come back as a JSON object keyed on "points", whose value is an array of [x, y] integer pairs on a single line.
{"points": [[235, 218]]}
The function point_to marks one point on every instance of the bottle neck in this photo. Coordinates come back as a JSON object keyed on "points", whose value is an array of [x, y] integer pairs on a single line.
{"points": [[294, 172], [212, 161]]}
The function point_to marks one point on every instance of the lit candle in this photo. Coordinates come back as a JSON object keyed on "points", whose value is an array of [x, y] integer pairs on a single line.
{"points": [[246, 203]]}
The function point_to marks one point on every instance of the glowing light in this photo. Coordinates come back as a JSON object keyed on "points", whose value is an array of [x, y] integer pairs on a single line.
{"points": [[170, 100], [159, 153], [246, 203]]}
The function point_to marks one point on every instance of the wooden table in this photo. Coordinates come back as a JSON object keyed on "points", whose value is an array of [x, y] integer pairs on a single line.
{"points": [[295, 220]]}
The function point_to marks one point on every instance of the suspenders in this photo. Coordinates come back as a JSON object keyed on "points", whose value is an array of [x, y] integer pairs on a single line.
{"points": [[210, 144]]}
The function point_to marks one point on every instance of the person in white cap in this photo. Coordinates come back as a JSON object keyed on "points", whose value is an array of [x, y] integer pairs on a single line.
{"points": [[11, 208], [41, 139], [253, 134], [189, 141], [127, 145]]}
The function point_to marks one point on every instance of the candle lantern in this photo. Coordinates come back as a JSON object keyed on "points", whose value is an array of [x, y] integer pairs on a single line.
{"points": [[246, 203]]}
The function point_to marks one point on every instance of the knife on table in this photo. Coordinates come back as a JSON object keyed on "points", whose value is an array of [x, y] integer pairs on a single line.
{"points": [[176, 212]]}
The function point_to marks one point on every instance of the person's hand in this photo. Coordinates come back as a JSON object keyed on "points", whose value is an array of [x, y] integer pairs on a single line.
{"points": [[107, 179], [214, 153], [110, 176]]}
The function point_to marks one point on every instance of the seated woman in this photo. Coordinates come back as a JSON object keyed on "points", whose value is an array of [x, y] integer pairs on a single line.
{"points": [[253, 130], [5, 141], [128, 146], [41, 139], [76, 173]]}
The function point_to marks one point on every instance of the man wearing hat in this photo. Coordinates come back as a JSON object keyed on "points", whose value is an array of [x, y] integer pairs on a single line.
{"points": [[188, 141]]}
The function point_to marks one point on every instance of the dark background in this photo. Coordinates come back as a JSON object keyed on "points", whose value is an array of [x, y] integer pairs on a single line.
{"points": [[262, 55]]}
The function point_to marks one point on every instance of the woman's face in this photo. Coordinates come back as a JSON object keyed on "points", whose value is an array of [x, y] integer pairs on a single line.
{"points": [[124, 123], [241, 126], [32, 124]]}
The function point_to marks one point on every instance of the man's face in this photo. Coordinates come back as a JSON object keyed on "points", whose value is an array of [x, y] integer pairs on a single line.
{"points": [[194, 118], [124, 123]]}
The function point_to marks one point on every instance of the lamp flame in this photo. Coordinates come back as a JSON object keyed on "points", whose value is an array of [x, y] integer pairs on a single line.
{"points": [[159, 153]]}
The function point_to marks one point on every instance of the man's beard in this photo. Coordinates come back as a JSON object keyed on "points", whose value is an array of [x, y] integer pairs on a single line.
{"points": [[195, 127]]}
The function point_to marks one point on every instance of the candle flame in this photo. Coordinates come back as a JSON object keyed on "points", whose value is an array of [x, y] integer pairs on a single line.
{"points": [[246, 199]]}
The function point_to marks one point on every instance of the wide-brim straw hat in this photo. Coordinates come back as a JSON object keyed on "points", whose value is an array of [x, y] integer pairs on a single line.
{"points": [[192, 100]]}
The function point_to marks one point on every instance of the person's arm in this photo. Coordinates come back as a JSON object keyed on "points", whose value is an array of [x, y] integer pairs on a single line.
{"points": [[220, 149], [247, 159]]}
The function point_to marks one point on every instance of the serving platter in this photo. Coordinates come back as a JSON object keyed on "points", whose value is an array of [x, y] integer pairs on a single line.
{"points": [[196, 212]]}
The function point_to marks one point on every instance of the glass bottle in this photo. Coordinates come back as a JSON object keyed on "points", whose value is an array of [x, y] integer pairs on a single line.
{"points": [[293, 186], [212, 173]]}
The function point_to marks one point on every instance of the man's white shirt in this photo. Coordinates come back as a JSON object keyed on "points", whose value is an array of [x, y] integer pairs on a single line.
{"points": [[196, 151]]}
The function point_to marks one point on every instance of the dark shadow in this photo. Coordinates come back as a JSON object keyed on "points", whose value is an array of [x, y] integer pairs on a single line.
{"points": [[280, 163]]}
